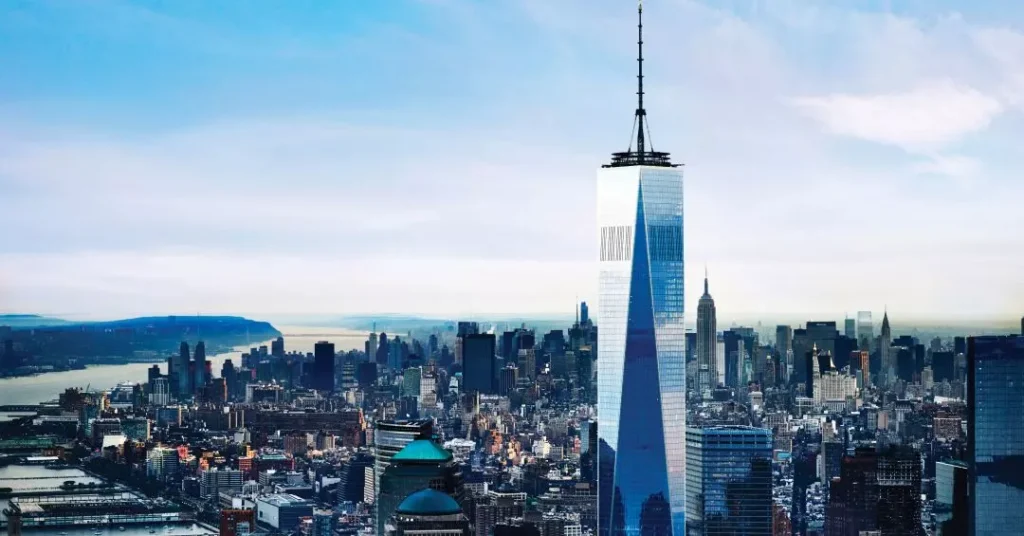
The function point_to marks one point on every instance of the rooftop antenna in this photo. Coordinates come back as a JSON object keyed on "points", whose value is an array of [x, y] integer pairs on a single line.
{"points": [[640, 112]]}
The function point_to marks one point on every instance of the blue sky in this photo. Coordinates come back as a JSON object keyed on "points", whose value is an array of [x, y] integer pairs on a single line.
{"points": [[438, 156]]}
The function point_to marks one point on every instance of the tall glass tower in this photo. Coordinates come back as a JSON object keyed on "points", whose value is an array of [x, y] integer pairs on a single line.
{"points": [[641, 343], [995, 433]]}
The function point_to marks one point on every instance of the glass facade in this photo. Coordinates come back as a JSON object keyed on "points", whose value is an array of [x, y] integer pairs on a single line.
{"points": [[995, 383], [729, 480], [641, 352]]}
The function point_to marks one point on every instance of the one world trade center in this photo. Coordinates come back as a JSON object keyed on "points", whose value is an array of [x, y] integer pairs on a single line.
{"points": [[641, 362]]}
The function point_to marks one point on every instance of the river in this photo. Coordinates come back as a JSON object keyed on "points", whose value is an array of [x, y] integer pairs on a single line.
{"points": [[45, 387]]}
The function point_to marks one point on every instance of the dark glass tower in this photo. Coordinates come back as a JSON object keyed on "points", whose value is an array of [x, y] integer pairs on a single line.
{"points": [[323, 366], [479, 362], [995, 428], [729, 480], [641, 344]]}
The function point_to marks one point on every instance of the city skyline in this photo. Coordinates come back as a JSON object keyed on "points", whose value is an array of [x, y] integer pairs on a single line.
{"points": [[179, 174]]}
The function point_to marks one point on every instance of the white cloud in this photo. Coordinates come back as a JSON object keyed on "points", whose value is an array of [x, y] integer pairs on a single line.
{"points": [[931, 115]]}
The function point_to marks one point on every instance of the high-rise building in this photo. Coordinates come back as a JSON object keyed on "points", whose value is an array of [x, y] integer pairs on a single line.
{"points": [[707, 343], [850, 328], [214, 481], [199, 367], [180, 371], [420, 464], [820, 334], [641, 355], [865, 330], [887, 358], [162, 463], [277, 347], [478, 363], [995, 430], [784, 347], [876, 491], [323, 366], [728, 480], [353, 473], [389, 437], [159, 392], [585, 314], [950, 507]]}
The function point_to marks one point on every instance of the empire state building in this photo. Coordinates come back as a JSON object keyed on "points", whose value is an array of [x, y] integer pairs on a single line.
{"points": [[641, 354]]}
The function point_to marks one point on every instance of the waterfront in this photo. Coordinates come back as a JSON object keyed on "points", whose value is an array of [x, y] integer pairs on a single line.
{"points": [[46, 387], [37, 478]]}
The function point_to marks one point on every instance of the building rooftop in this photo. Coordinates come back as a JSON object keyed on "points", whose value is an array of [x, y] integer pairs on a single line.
{"points": [[423, 450], [428, 502]]}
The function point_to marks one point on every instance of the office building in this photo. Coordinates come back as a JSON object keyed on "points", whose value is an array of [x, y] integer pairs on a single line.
{"points": [[428, 512], [876, 491], [707, 343], [214, 481], [390, 437], [995, 429], [887, 358], [352, 486], [282, 511], [163, 464], [199, 368], [135, 428], [951, 502], [865, 330], [421, 464], [850, 328], [641, 362], [159, 392], [784, 349], [323, 366], [277, 347], [728, 480], [478, 363], [180, 371]]}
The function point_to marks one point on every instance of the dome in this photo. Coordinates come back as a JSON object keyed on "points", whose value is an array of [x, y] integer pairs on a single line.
{"points": [[422, 450], [428, 502]]}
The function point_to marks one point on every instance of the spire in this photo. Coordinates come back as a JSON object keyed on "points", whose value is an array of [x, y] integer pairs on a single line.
{"points": [[643, 155], [705, 280], [641, 148]]}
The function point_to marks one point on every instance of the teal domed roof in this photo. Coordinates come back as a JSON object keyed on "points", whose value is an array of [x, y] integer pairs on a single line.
{"points": [[422, 450], [428, 502]]}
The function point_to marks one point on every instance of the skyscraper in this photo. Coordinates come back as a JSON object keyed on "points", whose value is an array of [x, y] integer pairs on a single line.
{"points": [[850, 328], [784, 346], [886, 356], [478, 362], [995, 430], [199, 360], [181, 371], [729, 480], [707, 343], [865, 330], [641, 372], [323, 366]]}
